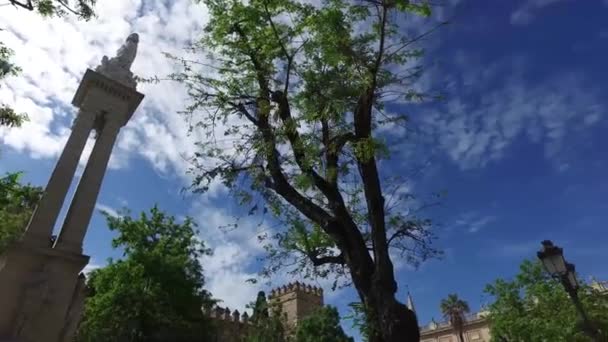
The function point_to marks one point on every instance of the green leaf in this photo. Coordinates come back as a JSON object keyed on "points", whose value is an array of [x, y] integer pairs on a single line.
{"points": [[423, 10]]}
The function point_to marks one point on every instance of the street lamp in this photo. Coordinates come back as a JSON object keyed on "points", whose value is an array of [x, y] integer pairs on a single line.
{"points": [[553, 260]]}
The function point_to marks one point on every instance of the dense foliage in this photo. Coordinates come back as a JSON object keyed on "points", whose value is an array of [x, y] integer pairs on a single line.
{"points": [[155, 292], [17, 201], [322, 326], [291, 98], [535, 307], [454, 310], [267, 322]]}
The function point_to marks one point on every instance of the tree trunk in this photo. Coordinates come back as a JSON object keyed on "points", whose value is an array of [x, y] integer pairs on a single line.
{"points": [[398, 323], [393, 321]]}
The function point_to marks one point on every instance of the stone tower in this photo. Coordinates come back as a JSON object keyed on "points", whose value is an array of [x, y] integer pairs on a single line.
{"points": [[41, 287], [297, 301]]}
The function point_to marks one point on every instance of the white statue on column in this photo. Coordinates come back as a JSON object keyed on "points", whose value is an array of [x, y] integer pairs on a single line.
{"points": [[118, 68]]}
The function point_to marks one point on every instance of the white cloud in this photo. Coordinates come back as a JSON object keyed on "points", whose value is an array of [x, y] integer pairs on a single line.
{"points": [[106, 208], [91, 266], [500, 110], [235, 254], [525, 13], [474, 222], [53, 67], [519, 249], [227, 275], [236, 257]]}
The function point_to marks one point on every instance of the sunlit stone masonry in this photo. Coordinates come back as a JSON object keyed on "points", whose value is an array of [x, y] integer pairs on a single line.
{"points": [[42, 288], [296, 301]]}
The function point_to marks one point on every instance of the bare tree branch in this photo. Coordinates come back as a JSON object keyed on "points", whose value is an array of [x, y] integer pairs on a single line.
{"points": [[28, 6]]}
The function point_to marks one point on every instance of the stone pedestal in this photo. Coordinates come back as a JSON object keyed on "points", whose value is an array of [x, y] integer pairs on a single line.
{"points": [[41, 289], [36, 289]]}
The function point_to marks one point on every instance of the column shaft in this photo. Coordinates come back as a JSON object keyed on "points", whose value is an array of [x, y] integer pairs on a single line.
{"points": [[45, 215], [83, 204]]}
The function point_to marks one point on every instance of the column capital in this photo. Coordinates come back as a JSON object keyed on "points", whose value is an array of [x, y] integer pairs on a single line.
{"points": [[105, 94]]}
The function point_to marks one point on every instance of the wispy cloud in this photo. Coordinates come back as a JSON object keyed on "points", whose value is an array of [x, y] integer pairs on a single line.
{"points": [[525, 13], [491, 108], [106, 208], [474, 222], [237, 257], [517, 249]]}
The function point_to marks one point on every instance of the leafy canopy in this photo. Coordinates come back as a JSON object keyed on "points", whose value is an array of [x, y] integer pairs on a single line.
{"points": [[155, 292], [535, 307], [17, 202], [454, 310], [267, 322], [276, 92], [322, 326]]}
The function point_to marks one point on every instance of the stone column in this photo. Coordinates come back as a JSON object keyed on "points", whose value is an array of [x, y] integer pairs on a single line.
{"points": [[43, 220], [83, 204]]}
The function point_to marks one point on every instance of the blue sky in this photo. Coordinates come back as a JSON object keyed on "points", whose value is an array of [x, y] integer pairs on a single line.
{"points": [[518, 143]]}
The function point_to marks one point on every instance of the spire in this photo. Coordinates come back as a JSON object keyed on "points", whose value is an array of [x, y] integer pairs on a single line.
{"points": [[410, 301]]}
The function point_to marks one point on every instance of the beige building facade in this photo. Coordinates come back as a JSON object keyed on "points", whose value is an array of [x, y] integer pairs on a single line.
{"points": [[477, 326], [476, 329]]}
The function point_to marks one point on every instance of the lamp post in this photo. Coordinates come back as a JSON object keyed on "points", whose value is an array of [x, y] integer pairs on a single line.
{"points": [[553, 260]]}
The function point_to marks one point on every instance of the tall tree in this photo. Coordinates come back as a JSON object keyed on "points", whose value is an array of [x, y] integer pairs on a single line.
{"points": [[267, 322], [534, 307], [322, 326], [260, 307], [454, 310], [17, 201], [299, 91], [155, 292]]}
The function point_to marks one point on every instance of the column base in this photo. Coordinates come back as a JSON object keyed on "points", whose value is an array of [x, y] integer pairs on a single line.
{"points": [[36, 288]]}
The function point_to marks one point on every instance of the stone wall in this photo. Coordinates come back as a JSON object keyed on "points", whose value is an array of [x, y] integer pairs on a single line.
{"points": [[231, 326], [296, 300]]}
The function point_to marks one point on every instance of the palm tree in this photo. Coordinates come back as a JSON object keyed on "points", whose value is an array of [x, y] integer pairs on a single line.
{"points": [[454, 310]]}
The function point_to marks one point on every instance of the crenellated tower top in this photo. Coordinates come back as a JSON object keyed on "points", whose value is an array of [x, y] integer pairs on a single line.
{"points": [[296, 287], [297, 300]]}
